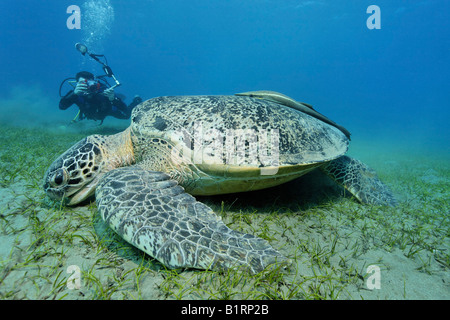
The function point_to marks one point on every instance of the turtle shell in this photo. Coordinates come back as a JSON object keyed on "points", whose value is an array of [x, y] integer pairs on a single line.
{"points": [[235, 137]]}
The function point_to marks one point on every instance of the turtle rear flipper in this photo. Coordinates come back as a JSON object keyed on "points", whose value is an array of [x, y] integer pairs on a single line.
{"points": [[362, 181], [153, 213]]}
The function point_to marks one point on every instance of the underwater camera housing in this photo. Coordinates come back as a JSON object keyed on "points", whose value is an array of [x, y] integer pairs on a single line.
{"points": [[100, 83], [94, 86]]}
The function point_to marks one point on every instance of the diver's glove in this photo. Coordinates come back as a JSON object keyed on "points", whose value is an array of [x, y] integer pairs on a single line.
{"points": [[81, 88], [109, 93]]}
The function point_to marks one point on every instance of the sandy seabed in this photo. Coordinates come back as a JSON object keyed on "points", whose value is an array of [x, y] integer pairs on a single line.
{"points": [[340, 248]]}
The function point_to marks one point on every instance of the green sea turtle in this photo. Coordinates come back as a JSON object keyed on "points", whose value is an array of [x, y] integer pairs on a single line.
{"points": [[144, 177], [288, 101]]}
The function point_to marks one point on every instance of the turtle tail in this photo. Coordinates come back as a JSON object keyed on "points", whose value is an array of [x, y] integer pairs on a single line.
{"points": [[361, 180], [156, 215]]}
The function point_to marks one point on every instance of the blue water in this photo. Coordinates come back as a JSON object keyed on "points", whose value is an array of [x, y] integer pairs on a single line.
{"points": [[390, 83]]}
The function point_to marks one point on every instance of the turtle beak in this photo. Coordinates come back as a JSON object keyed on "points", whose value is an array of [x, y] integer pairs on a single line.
{"points": [[84, 193], [78, 197]]}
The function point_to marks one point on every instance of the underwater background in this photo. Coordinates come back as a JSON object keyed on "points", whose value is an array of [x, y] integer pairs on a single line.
{"points": [[388, 83], [390, 87]]}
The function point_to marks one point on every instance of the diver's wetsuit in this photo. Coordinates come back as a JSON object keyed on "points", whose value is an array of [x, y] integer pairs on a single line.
{"points": [[96, 106]]}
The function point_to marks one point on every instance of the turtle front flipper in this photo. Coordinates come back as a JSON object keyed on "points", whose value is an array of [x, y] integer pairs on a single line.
{"points": [[153, 213], [360, 180]]}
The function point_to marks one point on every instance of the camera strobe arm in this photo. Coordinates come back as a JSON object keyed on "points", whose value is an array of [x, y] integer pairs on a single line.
{"points": [[107, 69]]}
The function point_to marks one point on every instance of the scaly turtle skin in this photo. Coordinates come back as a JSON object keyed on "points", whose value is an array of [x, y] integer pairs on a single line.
{"points": [[144, 177]]}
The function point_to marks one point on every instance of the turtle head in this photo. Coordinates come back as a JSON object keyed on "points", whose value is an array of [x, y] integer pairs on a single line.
{"points": [[74, 175]]}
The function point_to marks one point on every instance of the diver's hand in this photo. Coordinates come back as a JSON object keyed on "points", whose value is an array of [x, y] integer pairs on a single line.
{"points": [[109, 93], [81, 88]]}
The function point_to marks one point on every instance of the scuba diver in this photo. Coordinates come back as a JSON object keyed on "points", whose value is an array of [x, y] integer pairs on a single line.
{"points": [[95, 100], [94, 96]]}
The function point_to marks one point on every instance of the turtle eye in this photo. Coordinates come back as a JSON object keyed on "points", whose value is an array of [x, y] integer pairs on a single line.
{"points": [[58, 178]]}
